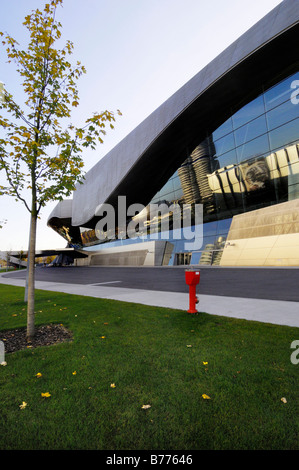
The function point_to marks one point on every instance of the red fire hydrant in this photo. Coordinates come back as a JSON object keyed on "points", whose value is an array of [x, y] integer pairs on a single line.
{"points": [[192, 279]]}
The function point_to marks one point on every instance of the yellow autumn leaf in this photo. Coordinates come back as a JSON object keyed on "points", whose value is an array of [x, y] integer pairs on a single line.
{"points": [[206, 397], [112, 385], [27, 135], [23, 405], [205, 363], [145, 407], [46, 395], [38, 375], [74, 373], [284, 400]]}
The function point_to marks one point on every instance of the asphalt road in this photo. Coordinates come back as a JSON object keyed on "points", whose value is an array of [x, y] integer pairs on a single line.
{"points": [[257, 283]]}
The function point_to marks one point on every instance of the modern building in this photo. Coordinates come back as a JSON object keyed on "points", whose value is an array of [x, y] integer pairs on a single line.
{"points": [[228, 140]]}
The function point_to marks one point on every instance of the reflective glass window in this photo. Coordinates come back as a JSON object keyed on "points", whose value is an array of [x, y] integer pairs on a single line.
{"points": [[167, 197], [250, 111], [176, 184], [195, 257], [284, 135], [224, 226], [224, 129], [175, 175], [229, 158], [224, 144], [167, 188], [156, 198], [208, 242], [280, 92], [255, 174], [254, 147], [245, 169], [209, 229], [282, 114], [178, 194], [251, 130]]}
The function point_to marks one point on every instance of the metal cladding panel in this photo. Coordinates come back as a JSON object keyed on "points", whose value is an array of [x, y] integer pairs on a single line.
{"points": [[63, 210], [119, 164], [101, 180]]}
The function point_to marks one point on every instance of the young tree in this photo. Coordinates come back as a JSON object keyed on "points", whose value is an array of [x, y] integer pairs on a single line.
{"points": [[40, 149]]}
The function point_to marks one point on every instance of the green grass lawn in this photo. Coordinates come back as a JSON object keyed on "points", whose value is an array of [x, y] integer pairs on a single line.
{"points": [[3, 270], [164, 358]]}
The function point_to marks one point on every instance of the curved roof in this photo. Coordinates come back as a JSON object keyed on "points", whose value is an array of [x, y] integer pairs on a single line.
{"points": [[142, 162]]}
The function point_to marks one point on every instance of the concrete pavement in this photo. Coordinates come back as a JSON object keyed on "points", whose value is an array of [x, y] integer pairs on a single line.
{"points": [[278, 312]]}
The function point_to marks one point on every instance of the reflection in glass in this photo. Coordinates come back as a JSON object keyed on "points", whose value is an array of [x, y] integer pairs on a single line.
{"points": [[257, 146], [223, 226], [210, 254], [224, 144], [210, 229], [88, 236], [194, 176], [280, 92], [251, 130], [167, 188], [176, 184], [250, 161], [224, 129], [282, 114], [255, 174], [229, 158], [252, 110], [284, 134]]}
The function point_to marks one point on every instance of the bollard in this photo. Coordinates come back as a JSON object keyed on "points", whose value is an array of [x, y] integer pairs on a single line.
{"points": [[192, 279]]}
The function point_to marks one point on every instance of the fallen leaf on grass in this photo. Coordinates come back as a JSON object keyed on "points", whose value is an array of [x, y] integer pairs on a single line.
{"points": [[38, 375], [112, 385], [23, 405], [145, 407], [206, 397], [46, 395], [284, 400]]}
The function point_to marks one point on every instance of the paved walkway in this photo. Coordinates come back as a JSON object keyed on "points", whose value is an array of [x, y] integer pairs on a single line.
{"points": [[269, 311]]}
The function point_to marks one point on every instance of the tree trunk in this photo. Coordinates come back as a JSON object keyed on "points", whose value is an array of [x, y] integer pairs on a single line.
{"points": [[27, 272], [31, 278]]}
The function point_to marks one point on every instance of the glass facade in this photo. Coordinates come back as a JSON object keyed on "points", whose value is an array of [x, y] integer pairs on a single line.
{"points": [[251, 161]]}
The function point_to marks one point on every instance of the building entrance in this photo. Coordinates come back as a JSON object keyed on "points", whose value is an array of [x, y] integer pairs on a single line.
{"points": [[182, 258]]}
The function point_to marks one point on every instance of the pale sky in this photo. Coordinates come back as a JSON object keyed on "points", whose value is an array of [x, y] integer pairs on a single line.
{"points": [[137, 54]]}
